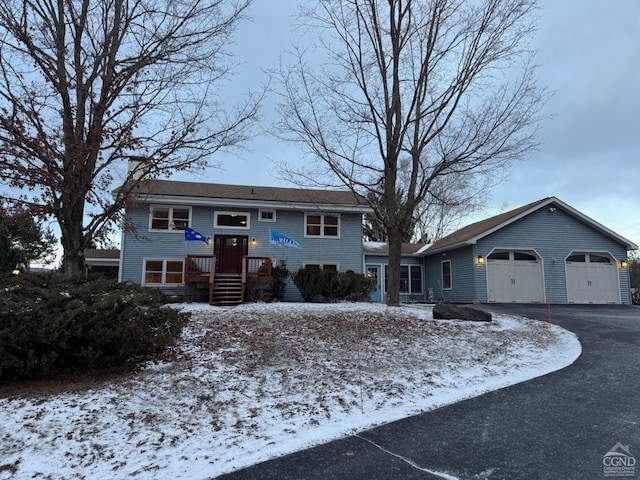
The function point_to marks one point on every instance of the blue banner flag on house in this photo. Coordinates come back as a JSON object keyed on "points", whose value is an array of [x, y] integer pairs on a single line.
{"points": [[283, 240], [191, 234]]}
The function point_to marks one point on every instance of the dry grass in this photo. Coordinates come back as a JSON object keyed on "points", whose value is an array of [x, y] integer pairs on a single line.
{"points": [[250, 382]]}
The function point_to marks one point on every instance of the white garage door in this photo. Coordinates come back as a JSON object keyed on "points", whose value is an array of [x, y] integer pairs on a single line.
{"points": [[591, 278], [514, 276]]}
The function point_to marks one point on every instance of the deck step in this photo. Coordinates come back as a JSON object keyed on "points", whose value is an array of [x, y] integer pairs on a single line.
{"points": [[227, 290]]}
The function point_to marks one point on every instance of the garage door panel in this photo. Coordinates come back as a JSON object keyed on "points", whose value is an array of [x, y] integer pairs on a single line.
{"points": [[577, 283], [529, 276], [591, 279], [514, 281], [499, 282]]}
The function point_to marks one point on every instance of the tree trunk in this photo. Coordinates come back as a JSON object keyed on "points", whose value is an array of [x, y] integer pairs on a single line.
{"points": [[393, 269], [73, 238]]}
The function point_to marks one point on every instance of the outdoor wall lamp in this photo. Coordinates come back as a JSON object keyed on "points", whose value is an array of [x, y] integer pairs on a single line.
{"points": [[623, 264], [253, 242], [209, 241], [480, 260]]}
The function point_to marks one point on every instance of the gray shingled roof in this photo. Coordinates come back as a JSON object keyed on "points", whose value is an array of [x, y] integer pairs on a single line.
{"points": [[479, 228], [473, 232], [248, 192]]}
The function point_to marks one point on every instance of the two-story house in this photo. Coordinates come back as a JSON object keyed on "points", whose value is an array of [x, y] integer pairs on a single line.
{"points": [[181, 236], [233, 234]]}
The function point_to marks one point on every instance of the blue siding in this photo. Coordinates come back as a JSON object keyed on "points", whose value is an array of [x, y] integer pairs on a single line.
{"points": [[345, 251], [553, 235], [383, 262], [462, 276]]}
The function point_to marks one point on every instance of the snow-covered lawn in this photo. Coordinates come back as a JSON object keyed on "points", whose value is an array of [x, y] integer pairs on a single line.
{"points": [[252, 382]]}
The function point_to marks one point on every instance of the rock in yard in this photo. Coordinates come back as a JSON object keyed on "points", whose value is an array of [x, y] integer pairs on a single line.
{"points": [[448, 311]]}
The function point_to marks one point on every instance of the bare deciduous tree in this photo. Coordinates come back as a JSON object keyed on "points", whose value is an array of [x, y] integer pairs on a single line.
{"points": [[446, 85], [87, 84], [451, 199]]}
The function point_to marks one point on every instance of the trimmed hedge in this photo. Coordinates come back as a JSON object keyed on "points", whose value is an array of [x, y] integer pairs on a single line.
{"points": [[314, 284], [49, 325]]}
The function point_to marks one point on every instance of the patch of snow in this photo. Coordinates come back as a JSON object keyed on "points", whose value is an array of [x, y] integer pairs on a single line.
{"points": [[375, 245], [423, 248], [248, 383]]}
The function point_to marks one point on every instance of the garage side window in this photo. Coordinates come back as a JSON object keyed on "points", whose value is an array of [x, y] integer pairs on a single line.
{"points": [[446, 274]]}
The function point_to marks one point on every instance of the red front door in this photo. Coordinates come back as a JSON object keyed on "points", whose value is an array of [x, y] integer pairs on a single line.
{"points": [[229, 250]]}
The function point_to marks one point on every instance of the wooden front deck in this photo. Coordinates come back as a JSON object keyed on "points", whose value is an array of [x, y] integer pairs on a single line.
{"points": [[228, 288]]}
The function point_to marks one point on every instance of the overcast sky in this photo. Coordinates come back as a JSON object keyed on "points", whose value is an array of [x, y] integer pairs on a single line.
{"points": [[589, 55]]}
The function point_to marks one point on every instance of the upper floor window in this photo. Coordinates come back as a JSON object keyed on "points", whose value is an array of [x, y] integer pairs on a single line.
{"points": [[231, 220], [267, 215], [167, 218], [322, 225]]}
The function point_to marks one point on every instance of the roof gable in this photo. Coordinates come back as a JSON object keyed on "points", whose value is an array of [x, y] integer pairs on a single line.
{"points": [[472, 233]]}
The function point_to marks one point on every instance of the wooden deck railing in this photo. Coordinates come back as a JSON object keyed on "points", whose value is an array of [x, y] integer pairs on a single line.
{"points": [[202, 269], [198, 268], [259, 267]]}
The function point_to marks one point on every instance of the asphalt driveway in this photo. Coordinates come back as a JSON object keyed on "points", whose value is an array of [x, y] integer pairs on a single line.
{"points": [[559, 426]]}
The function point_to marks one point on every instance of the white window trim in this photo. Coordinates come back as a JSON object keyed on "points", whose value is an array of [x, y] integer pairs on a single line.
{"points": [[246, 214], [260, 219], [164, 272], [321, 264], [170, 219], [322, 215], [409, 266], [450, 287]]}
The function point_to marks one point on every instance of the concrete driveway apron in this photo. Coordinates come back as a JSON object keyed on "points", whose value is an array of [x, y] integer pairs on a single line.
{"points": [[559, 426]]}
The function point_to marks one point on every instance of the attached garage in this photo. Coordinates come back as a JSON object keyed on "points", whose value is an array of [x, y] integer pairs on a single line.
{"points": [[546, 251], [514, 276], [592, 278]]}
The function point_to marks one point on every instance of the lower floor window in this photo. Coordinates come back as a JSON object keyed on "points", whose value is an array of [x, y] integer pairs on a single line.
{"points": [[163, 272], [322, 266], [410, 278]]}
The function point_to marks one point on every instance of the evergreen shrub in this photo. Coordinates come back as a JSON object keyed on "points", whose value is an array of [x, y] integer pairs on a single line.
{"points": [[332, 286], [49, 325], [308, 281]]}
